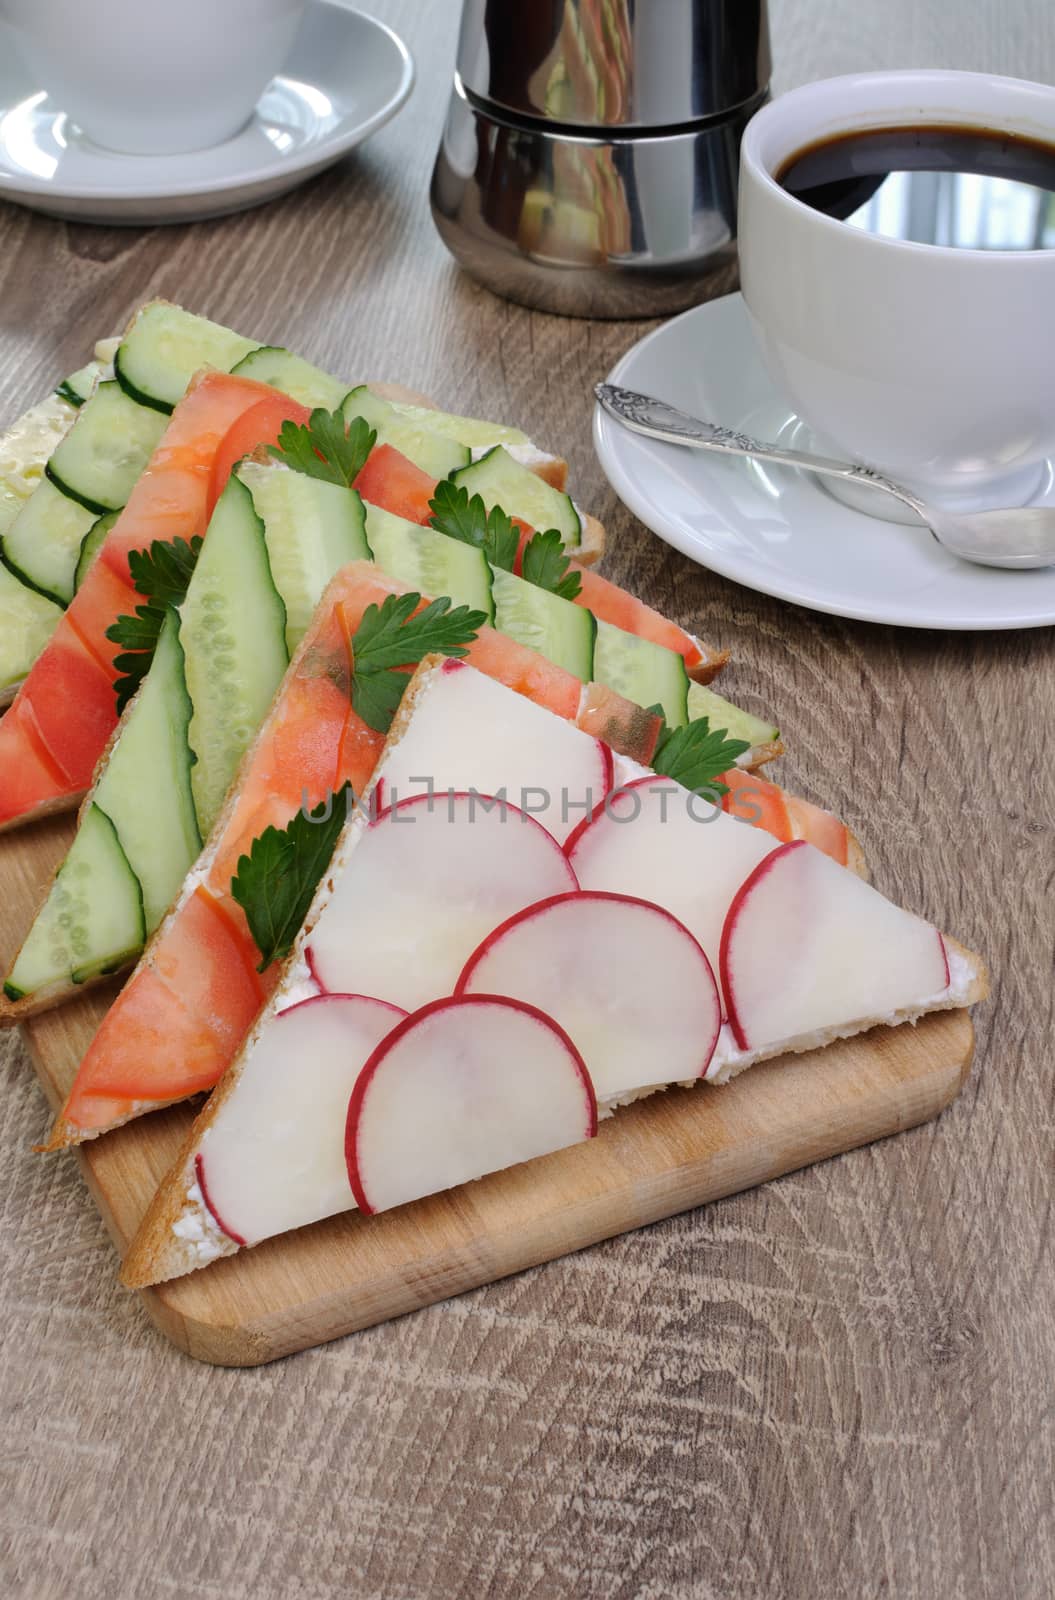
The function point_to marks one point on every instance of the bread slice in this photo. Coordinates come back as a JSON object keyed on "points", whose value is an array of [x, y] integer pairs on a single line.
{"points": [[179, 1232]]}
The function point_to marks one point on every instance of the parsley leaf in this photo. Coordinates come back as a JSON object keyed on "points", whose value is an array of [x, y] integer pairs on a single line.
{"points": [[460, 517], [390, 638], [546, 565], [276, 882], [695, 757], [162, 574], [326, 446]]}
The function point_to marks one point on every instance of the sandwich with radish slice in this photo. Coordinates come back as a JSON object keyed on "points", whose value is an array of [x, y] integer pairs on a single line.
{"points": [[537, 977]]}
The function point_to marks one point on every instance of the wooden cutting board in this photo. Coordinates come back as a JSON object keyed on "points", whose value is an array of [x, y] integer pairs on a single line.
{"points": [[666, 1154]]}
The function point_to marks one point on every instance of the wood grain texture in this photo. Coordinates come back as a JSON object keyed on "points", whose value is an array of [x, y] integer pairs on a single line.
{"points": [[837, 1385]]}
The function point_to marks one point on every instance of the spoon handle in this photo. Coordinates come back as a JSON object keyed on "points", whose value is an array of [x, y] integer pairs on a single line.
{"points": [[658, 420]]}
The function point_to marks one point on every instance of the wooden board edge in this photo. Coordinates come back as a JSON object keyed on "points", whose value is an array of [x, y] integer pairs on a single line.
{"points": [[458, 1271]]}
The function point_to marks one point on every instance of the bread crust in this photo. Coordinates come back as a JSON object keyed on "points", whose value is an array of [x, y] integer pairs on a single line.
{"points": [[711, 661]]}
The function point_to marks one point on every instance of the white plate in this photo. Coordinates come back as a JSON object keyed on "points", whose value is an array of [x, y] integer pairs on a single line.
{"points": [[346, 76], [776, 529]]}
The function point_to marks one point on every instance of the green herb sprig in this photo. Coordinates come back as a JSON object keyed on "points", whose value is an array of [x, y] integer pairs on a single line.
{"points": [[326, 446], [276, 882], [696, 756], [547, 565], [162, 574], [391, 638], [462, 517]]}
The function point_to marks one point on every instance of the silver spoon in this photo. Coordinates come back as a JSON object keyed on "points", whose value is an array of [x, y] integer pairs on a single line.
{"points": [[1023, 536]]}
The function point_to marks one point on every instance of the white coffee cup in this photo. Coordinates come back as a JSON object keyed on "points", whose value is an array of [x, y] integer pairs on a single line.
{"points": [[933, 364], [155, 77]]}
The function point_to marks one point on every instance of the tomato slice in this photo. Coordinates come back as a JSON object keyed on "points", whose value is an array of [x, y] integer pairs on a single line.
{"points": [[261, 424], [395, 484], [31, 778], [73, 707]]}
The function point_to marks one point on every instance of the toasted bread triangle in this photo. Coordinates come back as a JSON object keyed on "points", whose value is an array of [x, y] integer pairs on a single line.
{"points": [[179, 1232]]}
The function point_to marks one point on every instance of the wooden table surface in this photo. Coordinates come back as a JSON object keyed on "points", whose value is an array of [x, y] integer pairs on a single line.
{"points": [[838, 1385]]}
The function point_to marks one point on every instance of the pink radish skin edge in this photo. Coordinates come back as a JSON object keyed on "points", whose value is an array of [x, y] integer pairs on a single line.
{"points": [[541, 906], [199, 1173], [313, 1000], [728, 927], [572, 841], [316, 980], [362, 1083]]}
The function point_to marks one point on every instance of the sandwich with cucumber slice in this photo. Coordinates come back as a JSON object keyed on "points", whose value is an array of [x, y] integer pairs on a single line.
{"points": [[28, 616], [119, 403], [55, 761], [201, 657], [243, 599], [65, 710]]}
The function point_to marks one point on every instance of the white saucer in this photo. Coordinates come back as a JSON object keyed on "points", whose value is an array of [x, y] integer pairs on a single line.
{"points": [[346, 76], [773, 528]]}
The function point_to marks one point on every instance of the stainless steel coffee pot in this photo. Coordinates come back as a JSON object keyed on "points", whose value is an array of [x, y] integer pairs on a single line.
{"points": [[590, 157]]}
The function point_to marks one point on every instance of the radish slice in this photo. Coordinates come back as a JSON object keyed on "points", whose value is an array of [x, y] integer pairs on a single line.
{"points": [[657, 841], [273, 1156], [625, 979], [479, 736], [422, 886], [809, 946], [462, 1088]]}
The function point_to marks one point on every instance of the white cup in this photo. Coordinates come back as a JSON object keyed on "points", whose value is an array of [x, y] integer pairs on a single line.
{"points": [[155, 77], [933, 364]]}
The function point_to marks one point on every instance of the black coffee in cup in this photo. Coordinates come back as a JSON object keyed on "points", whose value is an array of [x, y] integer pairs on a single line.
{"points": [[962, 186]]}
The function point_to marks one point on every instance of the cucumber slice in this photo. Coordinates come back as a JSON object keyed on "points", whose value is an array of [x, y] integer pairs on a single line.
{"points": [[293, 375], [90, 545], [563, 632], [647, 673], [430, 562], [521, 493], [27, 621], [464, 430], [703, 702], [434, 454], [166, 346], [232, 628], [106, 450], [77, 388], [91, 922], [312, 529], [43, 544], [145, 786]]}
